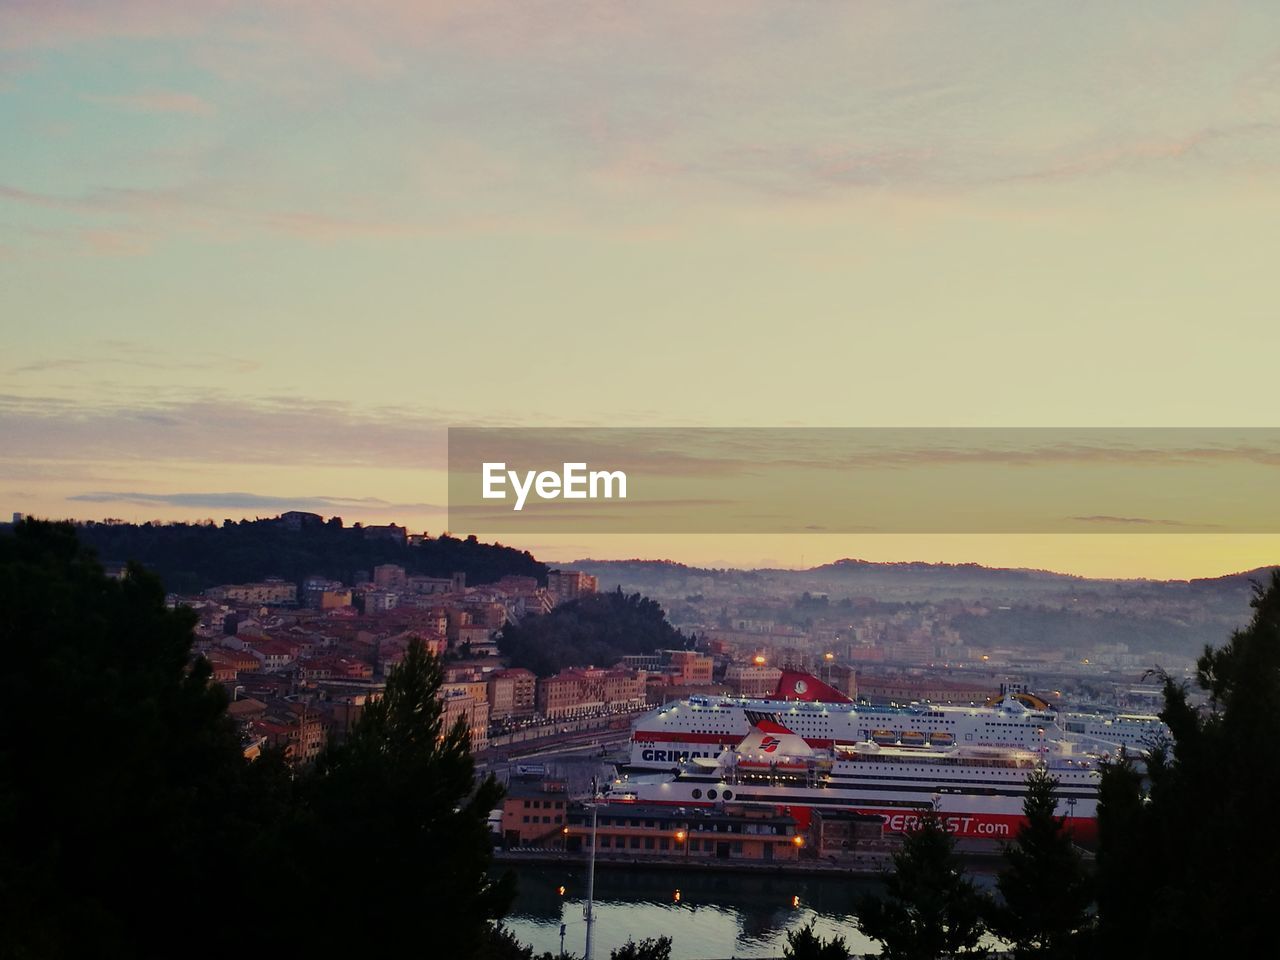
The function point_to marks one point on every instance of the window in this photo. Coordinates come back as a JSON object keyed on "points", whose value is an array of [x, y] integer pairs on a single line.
{"points": [[648, 843], [635, 843], [697, 794]]}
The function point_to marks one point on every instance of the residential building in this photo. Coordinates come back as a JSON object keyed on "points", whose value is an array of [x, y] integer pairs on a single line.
{"points": [[475, 714], [580, 692], [566, 585], [690, 668], [752, 680], [512, 694], [267, 593], [389, 576]]}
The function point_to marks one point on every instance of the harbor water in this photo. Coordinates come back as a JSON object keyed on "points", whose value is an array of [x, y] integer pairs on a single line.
{"points": [[707, 915]]}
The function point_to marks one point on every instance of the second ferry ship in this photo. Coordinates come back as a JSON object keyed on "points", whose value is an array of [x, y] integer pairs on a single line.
{"points": [[705, 726], [976, 791]]}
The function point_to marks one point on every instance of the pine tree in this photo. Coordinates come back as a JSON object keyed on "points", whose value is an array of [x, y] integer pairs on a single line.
{"points": [[1189, 865], [1124, 871], [804, 944], [392, 831], [651, 948], [928, 909], [1046, 892], [122, 782]]}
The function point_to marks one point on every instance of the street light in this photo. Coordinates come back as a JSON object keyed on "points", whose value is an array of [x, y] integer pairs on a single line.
{"points": [[588, 911]]}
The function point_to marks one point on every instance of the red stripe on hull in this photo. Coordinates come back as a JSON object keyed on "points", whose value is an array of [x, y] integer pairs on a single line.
{"points": [[723, 739], [982, 826], [658, 736], [976, 826]]}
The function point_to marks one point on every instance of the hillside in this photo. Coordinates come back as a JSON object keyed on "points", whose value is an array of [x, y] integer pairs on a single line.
{"points": [[905, 582], [190, 557], [598, 629]]}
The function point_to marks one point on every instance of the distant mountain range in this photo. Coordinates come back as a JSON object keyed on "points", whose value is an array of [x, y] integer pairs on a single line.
{"points": [[906, 581], [1023, 608]]}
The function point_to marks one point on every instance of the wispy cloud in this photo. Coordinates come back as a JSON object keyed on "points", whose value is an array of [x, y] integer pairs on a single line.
{"points": [[220, 429], [108, 354], [1133, 521], [157, 101]]}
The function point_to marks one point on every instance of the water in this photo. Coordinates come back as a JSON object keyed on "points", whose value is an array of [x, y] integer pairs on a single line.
{"points": [[718, 915]]}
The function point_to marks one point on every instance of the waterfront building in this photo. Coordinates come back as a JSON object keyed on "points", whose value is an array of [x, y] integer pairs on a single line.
{"points": [[730, 832]]}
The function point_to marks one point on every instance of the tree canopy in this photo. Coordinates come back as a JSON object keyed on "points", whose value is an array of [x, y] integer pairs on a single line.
{"points": [[928, 909], [190, 557], [1189, 856], [804, 944], [595, 629], [650, 948], [129, 816], [120, 774], [1045, 891]]}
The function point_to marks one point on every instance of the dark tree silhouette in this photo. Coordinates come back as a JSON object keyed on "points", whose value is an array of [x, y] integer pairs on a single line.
{"points": [[651, 948], [928, 909], [1190, 865], [127, 807], [189, 557], [1045, 890], [596, 629], [804, 944], [122, 783], [395, 810]]}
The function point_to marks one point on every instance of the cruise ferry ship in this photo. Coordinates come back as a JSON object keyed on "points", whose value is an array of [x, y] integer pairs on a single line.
{"points": [[976, 791], [1135, 732], [704, 727]]}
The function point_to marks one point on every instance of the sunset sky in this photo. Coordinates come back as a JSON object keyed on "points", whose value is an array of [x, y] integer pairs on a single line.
{"points": [[260, 255]]}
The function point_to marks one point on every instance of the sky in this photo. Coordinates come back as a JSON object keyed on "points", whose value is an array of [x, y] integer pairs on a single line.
{"points": [[260, 255]]}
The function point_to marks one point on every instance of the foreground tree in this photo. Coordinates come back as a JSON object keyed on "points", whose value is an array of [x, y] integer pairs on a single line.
{"points": [[121, 779], [1045, 891], [928, 909], [1125, 873], [127, 809], [1189, 862], [804, 944], [394, 811], [651, 948]]}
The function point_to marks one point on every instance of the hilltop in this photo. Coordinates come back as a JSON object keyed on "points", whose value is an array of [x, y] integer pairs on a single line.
{"points": [[190, 557], [903, 581]]}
